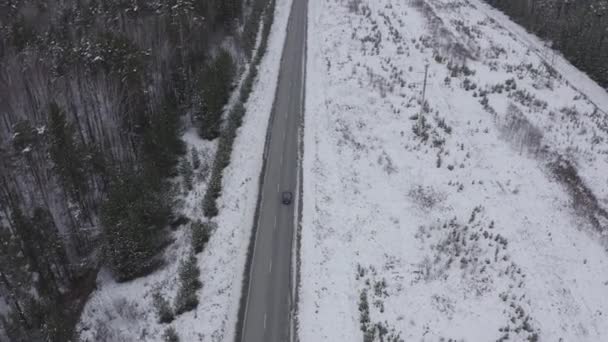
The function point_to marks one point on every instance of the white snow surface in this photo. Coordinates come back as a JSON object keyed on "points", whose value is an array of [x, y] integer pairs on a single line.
{"points": [[463, 232], [124, 311]]}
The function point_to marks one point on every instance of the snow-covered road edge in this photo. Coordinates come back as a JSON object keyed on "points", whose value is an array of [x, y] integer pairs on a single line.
{"points": [[241, 186]]}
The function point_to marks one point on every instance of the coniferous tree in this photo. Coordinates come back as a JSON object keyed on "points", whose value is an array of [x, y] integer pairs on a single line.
{"points": [[49, 250], [200, 234], [216, 82], [189, 273], [162, 144], [65, 152], [43, 250], [15, 277], [227, 12], [187, 174], [196, 160], [134, 217], [213, 191], [35, 247]]}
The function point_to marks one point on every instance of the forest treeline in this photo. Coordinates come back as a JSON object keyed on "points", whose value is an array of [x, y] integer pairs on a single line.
{"points": [[94, 95], [579, 29]]}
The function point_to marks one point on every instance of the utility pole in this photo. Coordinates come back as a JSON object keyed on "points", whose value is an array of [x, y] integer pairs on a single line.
{"points": [[426, 71]]}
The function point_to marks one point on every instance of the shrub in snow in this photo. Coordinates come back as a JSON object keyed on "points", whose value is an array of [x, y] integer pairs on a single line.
{"points": [[201, 232], [187, 298], [426, 197], [163, 309], [443, 125], [363, 311], [421, 129], [126, 309], [519, 131], [170, 335], [101, 331]]}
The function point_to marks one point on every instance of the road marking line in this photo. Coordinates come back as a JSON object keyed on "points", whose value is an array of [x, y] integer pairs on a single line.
{"points": [[270, 267], [264, 321], [275, 221]]}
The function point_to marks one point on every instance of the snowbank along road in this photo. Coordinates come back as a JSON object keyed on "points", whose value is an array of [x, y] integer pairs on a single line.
{"points": [[269, 296]]}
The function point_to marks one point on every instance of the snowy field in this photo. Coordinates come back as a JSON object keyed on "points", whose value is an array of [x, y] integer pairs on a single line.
{"points": [[483, 221], [119, 312]]}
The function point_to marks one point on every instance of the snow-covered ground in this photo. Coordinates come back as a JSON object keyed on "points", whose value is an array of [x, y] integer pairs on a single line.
{"points": [[488, 221], [124, 311]]}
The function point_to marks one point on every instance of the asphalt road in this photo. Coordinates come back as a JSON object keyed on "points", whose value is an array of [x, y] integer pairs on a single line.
{"points": [[268, 309]]}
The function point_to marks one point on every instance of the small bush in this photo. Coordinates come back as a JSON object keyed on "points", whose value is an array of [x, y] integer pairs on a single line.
{"points": [[421, 129], [163, 309], [187, 298], [126, 309], [364, 311], [170, 335], [201, 232]]}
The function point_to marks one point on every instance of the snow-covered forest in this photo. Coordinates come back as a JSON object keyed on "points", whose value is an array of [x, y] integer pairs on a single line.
{"points": [[578, 29], [94, 98]]}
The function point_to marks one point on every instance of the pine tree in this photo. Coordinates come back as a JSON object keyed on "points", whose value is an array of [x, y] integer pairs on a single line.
{"points": [[200, 234], [213, 190], [187, 173], [216, 82], [65, 152], [189, 273], [43, 250], [196, 160], [227, 12], [34, 247], [22, 33], [14, 274], [161, 143], [134, 217], [50, 252]]}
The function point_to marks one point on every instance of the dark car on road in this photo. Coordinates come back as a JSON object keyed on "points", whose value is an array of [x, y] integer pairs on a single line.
{"points": [[286, 197]]}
